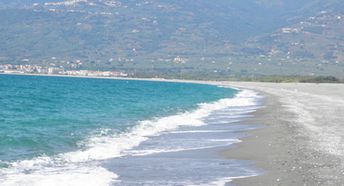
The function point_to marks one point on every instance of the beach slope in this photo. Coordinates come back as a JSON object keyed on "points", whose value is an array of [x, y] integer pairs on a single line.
{"points": [[301, 142]]}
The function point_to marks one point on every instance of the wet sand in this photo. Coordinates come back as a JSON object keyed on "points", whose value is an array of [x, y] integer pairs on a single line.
{"points": [[302, 141]]}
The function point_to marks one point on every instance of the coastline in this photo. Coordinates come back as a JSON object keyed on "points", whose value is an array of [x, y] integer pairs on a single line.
{"points": [[287, 148], [119, 78], [284, 148], [77, 163], [269, 148]]}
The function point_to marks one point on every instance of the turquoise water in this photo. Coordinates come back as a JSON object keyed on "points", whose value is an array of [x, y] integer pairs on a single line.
{"points": [[45, 116]]}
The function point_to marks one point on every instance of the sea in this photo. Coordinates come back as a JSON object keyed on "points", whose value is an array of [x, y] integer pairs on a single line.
{"points": [[87, 131]]}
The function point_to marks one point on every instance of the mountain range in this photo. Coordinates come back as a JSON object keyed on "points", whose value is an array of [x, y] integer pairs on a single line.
{"points": [[227, 38]]}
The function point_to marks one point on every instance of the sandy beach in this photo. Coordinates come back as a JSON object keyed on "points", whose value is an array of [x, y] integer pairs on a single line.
{"points": [[302, 141]]}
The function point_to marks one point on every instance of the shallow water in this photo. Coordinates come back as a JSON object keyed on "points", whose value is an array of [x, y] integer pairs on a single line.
{"points": [[187, 156]]}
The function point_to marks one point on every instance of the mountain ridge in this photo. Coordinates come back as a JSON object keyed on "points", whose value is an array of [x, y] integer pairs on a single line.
{"points": [[226, 37]]}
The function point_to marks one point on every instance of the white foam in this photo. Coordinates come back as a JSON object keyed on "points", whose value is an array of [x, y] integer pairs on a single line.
{"points": [[65, 3], [224, 118], [224, 142], [101, 148], [73, 168], [234, 112], [199, 131], [83, 176]]}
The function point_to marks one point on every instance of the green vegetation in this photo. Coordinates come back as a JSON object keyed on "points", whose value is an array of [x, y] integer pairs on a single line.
{"points": [[295, 79], [178, 39], [322, 79]]}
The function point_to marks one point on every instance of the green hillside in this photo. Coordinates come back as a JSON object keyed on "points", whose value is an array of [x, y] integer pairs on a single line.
{"points": [[226, 38]]}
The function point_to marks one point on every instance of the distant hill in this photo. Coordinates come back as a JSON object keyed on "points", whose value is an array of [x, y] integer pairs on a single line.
{"points": [[319, 37], [177, 37]]}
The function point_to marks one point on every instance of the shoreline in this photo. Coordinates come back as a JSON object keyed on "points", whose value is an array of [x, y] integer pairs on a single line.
{"points": [[262, 146], [214, 137], [288, 148], [285, 149], [120, 78]]}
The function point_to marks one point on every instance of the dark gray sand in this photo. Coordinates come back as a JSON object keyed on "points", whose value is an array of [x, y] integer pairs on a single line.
{"points": [[301, 143]]}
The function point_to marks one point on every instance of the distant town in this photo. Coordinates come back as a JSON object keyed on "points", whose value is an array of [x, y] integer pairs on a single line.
{"points": [[37, 69]]}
